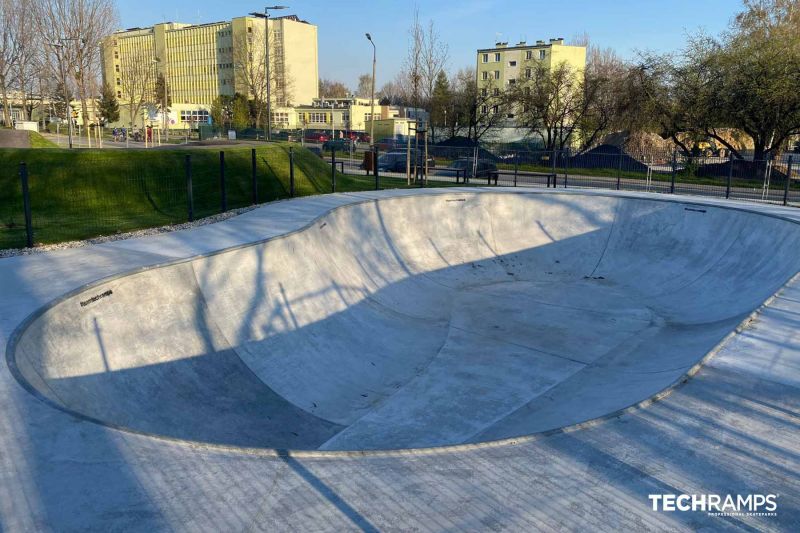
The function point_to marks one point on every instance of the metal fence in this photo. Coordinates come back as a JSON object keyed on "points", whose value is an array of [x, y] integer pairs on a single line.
{"points": [[84, 194], [771, 180]]}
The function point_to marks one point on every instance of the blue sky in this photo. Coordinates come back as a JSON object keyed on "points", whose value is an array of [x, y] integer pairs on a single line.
{"points": [[466, 25]]}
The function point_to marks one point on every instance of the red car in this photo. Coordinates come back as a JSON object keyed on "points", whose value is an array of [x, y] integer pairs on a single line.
{"points": [[317, 137]]}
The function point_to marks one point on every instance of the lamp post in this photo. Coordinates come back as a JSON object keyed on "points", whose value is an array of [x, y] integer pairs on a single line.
{"points": [[265, 16], [165, 102], [372, 97], [60, 45]]}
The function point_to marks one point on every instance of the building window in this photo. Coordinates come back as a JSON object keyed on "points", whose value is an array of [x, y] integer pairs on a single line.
{"points": [[494, 110], [116, 54], [512, 63], [528, 73], [119, 82], [542, 54], [119, 94], [485, 58], [497, 57], [495, 92], [512, 81], [497, 74], [484, 109], [529, 54], [484, 92], [116, 68], [485, 75], [510, 115]]}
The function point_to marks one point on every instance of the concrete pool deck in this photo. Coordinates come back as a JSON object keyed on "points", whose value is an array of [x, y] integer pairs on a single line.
{"points": [[732, 428]]}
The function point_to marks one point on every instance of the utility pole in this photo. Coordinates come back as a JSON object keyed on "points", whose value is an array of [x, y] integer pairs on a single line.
{"points": [[372, 96]]}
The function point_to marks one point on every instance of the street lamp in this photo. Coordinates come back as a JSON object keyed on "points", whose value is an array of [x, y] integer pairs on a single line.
{"points": [[60, 44], [372, 98], [265, 16], [165, 103]]}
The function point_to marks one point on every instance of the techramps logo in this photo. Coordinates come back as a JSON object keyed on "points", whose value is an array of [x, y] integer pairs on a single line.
{"points": [[717, 504]]}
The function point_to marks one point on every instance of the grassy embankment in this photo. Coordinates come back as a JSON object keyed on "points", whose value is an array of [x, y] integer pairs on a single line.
{"points": [[80, 194]]}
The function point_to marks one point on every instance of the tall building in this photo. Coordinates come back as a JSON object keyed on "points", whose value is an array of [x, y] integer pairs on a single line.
{"points": [[504, 66], [201, 62]]}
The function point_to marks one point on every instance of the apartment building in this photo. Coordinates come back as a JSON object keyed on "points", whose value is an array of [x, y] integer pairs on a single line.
{"points": [[504, 65], [204, 61]]}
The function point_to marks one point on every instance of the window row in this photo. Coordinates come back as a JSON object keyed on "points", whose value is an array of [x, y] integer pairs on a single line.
{"points": [[528, 55]]}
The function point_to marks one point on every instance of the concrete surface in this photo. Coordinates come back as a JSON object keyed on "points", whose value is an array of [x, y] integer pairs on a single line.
{"points": [[451, 293]]}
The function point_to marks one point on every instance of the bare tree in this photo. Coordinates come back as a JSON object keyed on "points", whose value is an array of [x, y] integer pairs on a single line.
{"points": [[332, 89], [9, 51], [411, 74], [389, 94], [251, 70], [77, 27], [364, 86], [28, 68], [434, 58], [549, 104], [137, 81]]}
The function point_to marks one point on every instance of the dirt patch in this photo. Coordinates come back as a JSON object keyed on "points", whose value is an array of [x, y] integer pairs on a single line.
{"points": [[14, 139]]}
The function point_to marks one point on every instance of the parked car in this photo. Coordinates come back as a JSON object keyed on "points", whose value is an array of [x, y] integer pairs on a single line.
{"points": [[390, 144], [340, 145], [465, 167], [396, 161], [317, 137]]}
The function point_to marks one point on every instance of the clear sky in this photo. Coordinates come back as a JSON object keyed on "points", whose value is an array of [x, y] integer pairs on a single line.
{"points": [[465, 25]]}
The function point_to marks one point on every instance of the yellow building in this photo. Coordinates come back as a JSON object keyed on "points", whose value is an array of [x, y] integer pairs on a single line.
{"points": [[336, 115], [503, 66], [201, 62]]}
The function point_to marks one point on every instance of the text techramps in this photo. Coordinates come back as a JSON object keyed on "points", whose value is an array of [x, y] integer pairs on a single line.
{"points": [[413, 322]]}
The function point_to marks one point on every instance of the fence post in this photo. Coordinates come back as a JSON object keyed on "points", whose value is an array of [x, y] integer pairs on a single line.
{"points": [[566, 168], [375, 168], [26, 204], [333, 170], [253, 175], [223, 197], [674, 171], [291, 172], [516, 167], [619, 171], [788, 179], [189, 191], [555, 176], [730, 176]]}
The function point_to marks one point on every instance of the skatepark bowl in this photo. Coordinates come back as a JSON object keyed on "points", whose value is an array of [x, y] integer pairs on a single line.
{"points": [[412, 322]]}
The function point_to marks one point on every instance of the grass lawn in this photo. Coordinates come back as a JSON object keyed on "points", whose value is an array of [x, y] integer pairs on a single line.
{"points": [[77, 194], [37, 141]]}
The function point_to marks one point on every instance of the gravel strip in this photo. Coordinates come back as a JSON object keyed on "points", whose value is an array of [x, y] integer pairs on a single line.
{"points": [[38, 249]]}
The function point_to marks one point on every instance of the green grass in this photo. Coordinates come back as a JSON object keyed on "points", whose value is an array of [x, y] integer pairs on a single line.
{"points": [[37, 141], [80, 194]]}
